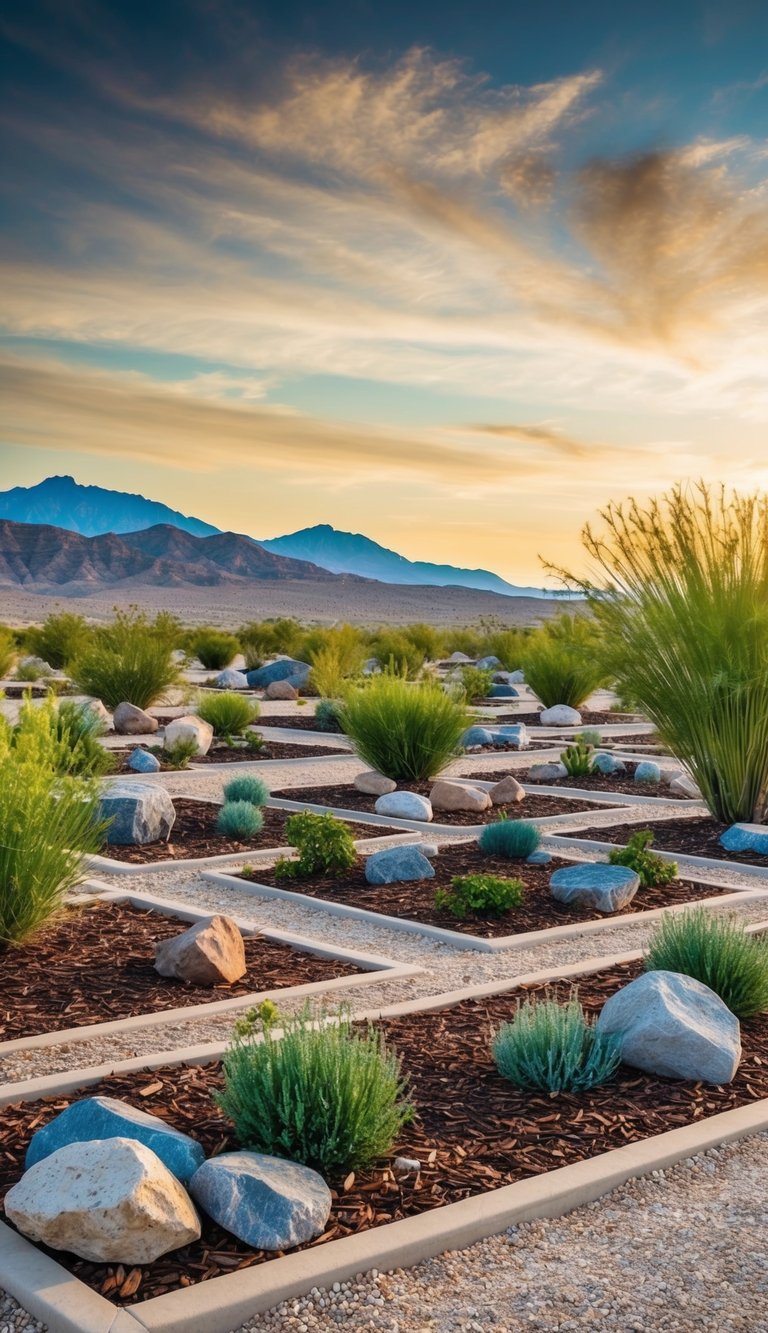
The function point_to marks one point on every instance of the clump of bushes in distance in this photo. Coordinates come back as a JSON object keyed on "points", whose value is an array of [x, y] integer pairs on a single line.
{"points": [[59, 640], [214, 648], [564, 660], [554, 1047], [228, 712], [407, 732], [7, 651]]}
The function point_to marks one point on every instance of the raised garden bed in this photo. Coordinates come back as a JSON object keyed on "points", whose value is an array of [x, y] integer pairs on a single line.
{"points": [[225, 754], [472, 1132], [345, 796], [588, 719], [415, 901], [690, 837], [621, 784], [95, 964], [194, 835]]}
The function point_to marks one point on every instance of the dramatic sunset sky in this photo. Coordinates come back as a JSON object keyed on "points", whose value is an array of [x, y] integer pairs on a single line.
{"points": [[449, 275]]}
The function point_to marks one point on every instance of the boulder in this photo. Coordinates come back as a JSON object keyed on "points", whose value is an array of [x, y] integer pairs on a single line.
{"points": [[459, 657], [404, 805], [503, 692], [511, 737], [685, 786], [474, 738], [488, 663], [516, 677], [99, 711], [109, 1201], [189, 728], [281, 689], [453, 796], [210, 953], [560, 716], [141, 761], [547, 772], [430, 849], [141, 812], [398, 865], [371, 667], [507, 792], [673, 1025], [607, 763], [595, 884], [746, 838], [132, 721], [37, 664], [269, 1203], [374, 784], [107, 1118], [538, 858], [230, 679], [285, 668], [647, 771]]}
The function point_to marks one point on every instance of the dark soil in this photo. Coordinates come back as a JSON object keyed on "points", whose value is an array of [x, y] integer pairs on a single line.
{"points": [[346, 797], [414, 901], [226, 754], [194, 834], [94, 964], [692, 837], [588, 719], [620, 783], [305, 721], [472, 1131]]}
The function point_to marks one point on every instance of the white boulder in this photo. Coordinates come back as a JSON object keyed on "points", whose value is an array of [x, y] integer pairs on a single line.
{"points": [[560, 716], [189, 728], [404, 805], [673, 1025]]}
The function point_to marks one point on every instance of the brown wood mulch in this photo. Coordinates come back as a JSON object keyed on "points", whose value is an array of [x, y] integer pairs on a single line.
{"points": [[414, 901], [588, 719], [95, 963], [302, 721], [693, 837], [226, 754], [619, 783], [194, 834], [472, 1130], [344, 796]]}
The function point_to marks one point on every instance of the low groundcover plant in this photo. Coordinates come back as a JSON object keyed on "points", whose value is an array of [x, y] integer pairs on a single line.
{"points": [[554, 1047]]}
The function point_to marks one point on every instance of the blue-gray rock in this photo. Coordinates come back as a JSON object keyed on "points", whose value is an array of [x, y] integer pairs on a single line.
{"points": [[503, 692], [108, 1118], [595, 884], [488, 663], [398, 865], [673, 1025], [404, 805], [607, 763], [287, 668], [549, 772], [540, 858], [516, 677], [230, 679], [140, 812], [141, 761], [511, 737], [746, 838], [267, 1202], [475, 737], [647, 771]]}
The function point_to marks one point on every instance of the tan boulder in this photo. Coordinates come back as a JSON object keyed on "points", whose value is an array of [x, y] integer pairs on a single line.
{"points": [[129, 720], [507, 792], [453, 796], [280, 689], [209, 953], [374, 784], [189, 728]]}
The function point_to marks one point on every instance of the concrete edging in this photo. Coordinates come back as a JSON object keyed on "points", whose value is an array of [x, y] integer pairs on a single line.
{"points": [[109, 866], [709, 863]]}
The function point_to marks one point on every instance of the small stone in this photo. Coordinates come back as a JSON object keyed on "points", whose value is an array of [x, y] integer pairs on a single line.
{"points": [[488, 663], [208, 954], [281, 689], [132, 721], [108, 1118], [672, 1025], [141, 761], [406, 1166], [189, 728], [538, 858], [607, 763], [452, 796], [503, 692], [647, 771], [141, 812], [560, 716], [372, 783], [595, 884], [404, 805], [507, 792], [269, 1203], [398, 865]]}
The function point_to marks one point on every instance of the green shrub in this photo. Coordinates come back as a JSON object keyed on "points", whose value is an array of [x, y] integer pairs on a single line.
{"points": [[336, 655], [239, 819], [228, 713], [214, 648], [397, 654], [29, 672], [468, 641], [506, 644], [480, 895], [266, 638], [716, 952], [328, 715], [129, 661], [477, 682], [48, 822], [247, 788], [554, 1047], [652, 869], [407, 732], [563, 661], [324, 845], [7, 651], [60, 639], [79, 728], [326, 1095], [513, 838], [178, 753], [578, 759]]}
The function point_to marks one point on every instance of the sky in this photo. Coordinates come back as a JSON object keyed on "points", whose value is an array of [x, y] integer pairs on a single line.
{"points": [[453, 276]]}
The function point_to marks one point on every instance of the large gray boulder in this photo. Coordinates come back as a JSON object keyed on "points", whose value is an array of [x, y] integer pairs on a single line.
{"points": [[595, 885], [109, 1201], [398, 865], [210, 953], [129, 720], [404, 805], [673, 1025], [107, 1118], [285, 668], [141, 812], [269, 1203]]}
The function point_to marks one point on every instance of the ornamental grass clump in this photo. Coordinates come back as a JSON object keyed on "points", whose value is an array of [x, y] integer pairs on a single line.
{"points": [[79, 729], [60, 639], [239, 819], [407, 732], [214, 648], [563, 661], [553, 1047], [324, 1094], [480, 895], [229, 713], [654, 871], [324, 844], [247, 788], [129, 661], [717, 952], [513, 838], [476, 682]]}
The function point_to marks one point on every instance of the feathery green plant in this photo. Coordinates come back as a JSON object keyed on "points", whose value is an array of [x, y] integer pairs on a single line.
{"points": [[554, 1047], [563, 660], [407, 732], [59, 639], [246, 787], [480, 895], [129, 661], [229, 713], [717, 952], [239, 819], [214, 648]]}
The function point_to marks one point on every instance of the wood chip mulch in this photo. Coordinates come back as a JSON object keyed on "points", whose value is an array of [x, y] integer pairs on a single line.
{"points": [[588, 719], [95, 963], [620, 784], [194, 834], [301, 721], [693, 837], [472, 1130], [225, 754], [414, 901], [344, 796]]}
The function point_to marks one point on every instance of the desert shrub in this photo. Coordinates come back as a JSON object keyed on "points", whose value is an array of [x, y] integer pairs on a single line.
{"points": [[178, 753], [246, 788], [681, 591], [476, 682], [554, 1047], [652, 869], [578, 759], [328, 715], [128, 661], [334, 663], [563, 660], [426, 639], [397, 654], [506, 644], [513, 838], [48, 822], [60, 639], [229, 713], [7, 650], [467, 641], [214, 648], [407, 732], [717, 952], [324, 845], [265, 638], [330, 1096], [239, 819], [79, 729], [29, 671], [480, 895]]}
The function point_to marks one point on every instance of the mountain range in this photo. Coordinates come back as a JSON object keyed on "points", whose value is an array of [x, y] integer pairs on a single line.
{"points": [[94, 511]]}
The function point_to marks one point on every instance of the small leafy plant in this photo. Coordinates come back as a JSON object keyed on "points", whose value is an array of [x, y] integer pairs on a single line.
{"points": [[228, 713], [324, 845], [513, 838], [717, 952], [480, 895], [78, 728], [653, 870], [554, 1047], [246, 788], [476, 682], [578, 759], [239, 819]]}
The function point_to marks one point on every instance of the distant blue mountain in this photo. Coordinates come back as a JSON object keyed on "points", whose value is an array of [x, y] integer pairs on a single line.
{"points": [[62, 502]]}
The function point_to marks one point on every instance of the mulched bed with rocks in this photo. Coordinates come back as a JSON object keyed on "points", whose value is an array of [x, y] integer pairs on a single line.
{"points": [[226, 754], [472, 1130], [344, 796], [94, 964], [415, 901], [303, 721], [691, 837], [623, 784], [194, 834], [588, 719]]}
